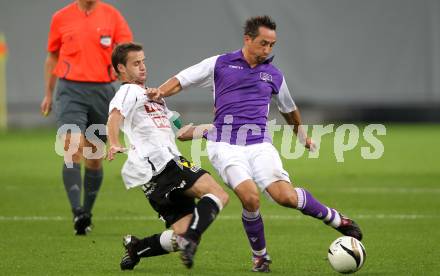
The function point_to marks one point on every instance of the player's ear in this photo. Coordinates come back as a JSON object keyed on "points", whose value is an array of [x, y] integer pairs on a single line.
{"points": [[247, 39], [121, 68]]}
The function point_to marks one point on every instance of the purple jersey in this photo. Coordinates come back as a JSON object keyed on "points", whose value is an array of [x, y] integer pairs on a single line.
{"points": [[242, 96]]}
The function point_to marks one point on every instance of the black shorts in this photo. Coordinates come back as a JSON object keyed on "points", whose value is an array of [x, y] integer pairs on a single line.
{"points": [[166, 190], [83, 104]]}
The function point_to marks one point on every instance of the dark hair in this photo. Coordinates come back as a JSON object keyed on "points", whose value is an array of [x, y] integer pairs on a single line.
{"points": [[254, 23], [119, 55]]}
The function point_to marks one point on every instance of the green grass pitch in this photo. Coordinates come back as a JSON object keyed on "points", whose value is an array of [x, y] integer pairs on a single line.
{"points": [[395, 199]]}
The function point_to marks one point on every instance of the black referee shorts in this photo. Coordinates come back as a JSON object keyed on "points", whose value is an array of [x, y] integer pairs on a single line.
{"points": [[166, 190]]}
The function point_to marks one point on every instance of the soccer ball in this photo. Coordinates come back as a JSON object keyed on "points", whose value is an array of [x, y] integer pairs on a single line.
{"points": [[346, 255]]}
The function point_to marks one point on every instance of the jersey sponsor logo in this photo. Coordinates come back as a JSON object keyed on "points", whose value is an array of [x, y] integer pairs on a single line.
{"points": [[194, 168], [161, 121], [152, 107], [156, 113], [265, 77], [235, 67]]}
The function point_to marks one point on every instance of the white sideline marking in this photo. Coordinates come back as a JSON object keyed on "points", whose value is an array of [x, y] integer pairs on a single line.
{"points": [[221, 217], [386, 190], [349, 190]]}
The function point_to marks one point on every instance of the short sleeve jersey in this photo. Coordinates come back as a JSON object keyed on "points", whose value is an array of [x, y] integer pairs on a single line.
{"points": [[85, 41], [146, 125], [242, 96]]}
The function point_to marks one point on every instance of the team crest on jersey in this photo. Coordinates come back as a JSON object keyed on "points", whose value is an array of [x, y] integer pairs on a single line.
{"points": [[195, 168], [265, 77], [106, 41]]}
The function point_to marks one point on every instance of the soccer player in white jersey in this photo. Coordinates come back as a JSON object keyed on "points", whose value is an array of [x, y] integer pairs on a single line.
{"points": [[239, 147], [169, 181]]}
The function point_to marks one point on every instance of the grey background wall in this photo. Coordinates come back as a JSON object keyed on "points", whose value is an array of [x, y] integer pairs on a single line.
{"points": [[336, 54]]}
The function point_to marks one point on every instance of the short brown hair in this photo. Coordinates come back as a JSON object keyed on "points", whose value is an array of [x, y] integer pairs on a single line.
{"points": [[254, 23], [119, 55]]}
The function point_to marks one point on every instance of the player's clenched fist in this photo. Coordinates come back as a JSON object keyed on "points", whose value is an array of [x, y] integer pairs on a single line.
{"points": [[154, 93]]}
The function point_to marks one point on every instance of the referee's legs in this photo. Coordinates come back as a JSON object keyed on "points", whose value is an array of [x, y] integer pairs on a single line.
{"points": [[72, 169], [93, 175]]}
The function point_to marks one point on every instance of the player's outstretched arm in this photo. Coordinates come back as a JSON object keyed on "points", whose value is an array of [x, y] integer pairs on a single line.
{"points": [[197, 75], [113, 124], [169, 88], [191, 132], [294, 118]]}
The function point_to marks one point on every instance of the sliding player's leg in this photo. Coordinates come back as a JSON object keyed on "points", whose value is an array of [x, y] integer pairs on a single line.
{"points": [[212, 199]]}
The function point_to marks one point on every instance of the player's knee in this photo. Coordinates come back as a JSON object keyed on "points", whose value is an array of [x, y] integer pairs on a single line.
{"points": [[72, 142], [94, 164], [73, 148], [224, 197], [251, 202], [287, 199], [210, 186], [221, 194], [76, 157], [220, 199]]}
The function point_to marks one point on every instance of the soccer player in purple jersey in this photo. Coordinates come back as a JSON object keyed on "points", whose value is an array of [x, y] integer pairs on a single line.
{"points": [[243, 84]]}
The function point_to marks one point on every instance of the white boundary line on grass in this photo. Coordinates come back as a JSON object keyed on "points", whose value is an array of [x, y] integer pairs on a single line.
{"points": [[386, 190], [221, 217], [344, 190]]}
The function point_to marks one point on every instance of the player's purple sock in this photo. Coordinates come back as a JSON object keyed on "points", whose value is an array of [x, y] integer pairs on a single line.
{"points": [[254, 227], [308, 205]]}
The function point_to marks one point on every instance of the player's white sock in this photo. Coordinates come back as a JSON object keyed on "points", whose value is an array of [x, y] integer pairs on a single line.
{"points": [[166, 240], [333, 218], [248, 215]]}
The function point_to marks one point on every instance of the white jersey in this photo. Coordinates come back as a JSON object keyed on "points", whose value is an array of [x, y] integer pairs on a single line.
{"points": [[146, 125]]}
